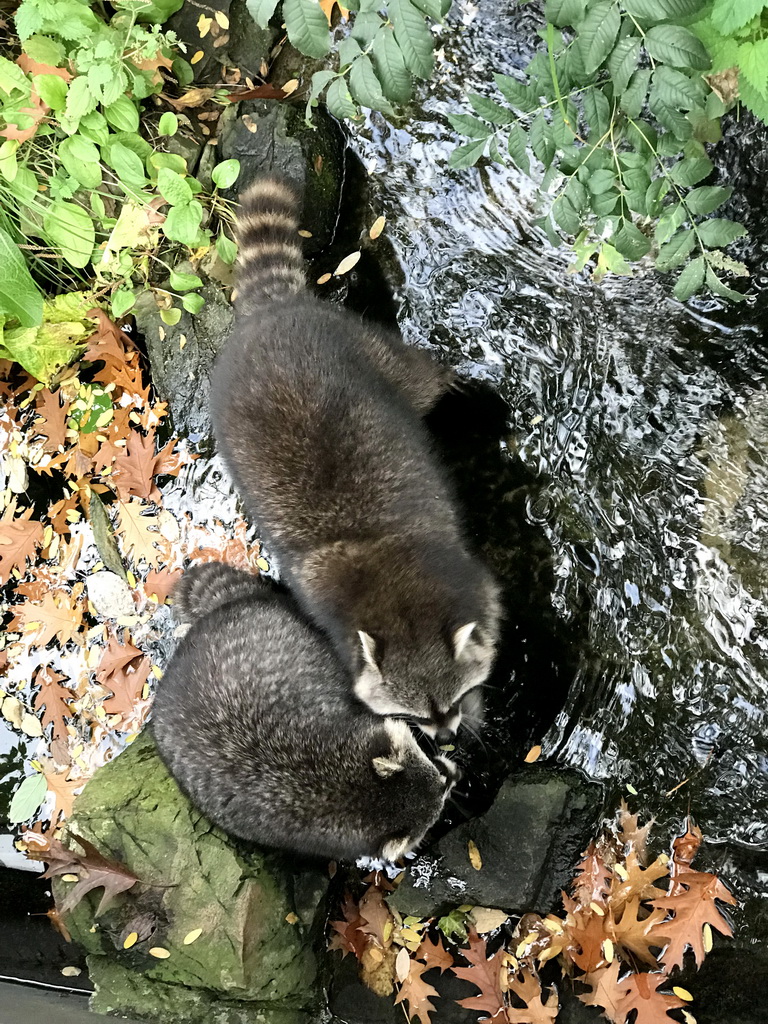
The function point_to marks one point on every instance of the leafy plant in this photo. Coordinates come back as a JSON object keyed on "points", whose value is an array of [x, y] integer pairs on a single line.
{"points": [[82, 190], [388, 45], [618, 109]]}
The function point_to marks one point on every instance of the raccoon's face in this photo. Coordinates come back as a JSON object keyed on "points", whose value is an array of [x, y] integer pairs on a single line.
{"points": [[433, 686]]}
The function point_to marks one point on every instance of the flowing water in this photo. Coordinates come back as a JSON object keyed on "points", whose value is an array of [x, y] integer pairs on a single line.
{"points": [[623, 497]]}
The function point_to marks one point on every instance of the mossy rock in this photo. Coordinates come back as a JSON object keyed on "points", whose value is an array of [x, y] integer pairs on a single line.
{"points": [[249, 955]]}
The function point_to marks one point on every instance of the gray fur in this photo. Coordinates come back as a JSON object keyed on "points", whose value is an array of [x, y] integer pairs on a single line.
{"points": [[319, 419], [255, 720]]}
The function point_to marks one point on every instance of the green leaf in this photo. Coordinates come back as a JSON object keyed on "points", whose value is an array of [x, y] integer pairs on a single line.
{"points": [[319, 81], [719, 232], [623, 61], [597, 34], [630, 241], [226, 249], [753, 100], [467, 155], [170, 316], [564, 12], [611, 259], [225, 174], [432, 8], [517, 93], [339, 101], [540, 137], [307, 27], [173, 187], [654, 196], [691, 171], [12, 78], [601, 181], [676, 250], [261, 11], [753, 63], [413, 37], [45, 50], [349, 49], [52, 90], [677, 46], [676, 89], [104, 536], [517, 148], [566, 215], [716, 285], [126, 165], [69, 228], [662, 10], [123, 115], [19, 295], [183, 282], [169, 123], [691, 279], [565, 125], [193, 303], [671, 118], [394, 76], [490, 110], [597, 111], [25, 186], [669, 222], [730, 15], [182, 223], [365, 86], [80, 99], [122, 300], [172, 161], [707, 198], [183, 71], [9, 167], [469, 126], [632, 99], [27, 798], [94, 127], [81, 159]]}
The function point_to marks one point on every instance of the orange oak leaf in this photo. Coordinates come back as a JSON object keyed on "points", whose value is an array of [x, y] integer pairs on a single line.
{"points": [[434, 954], [417, 993], [592, 882], [586, 934], [109, 344], [485, 973], [158, 585], [19, 540], [631, 834], [59, 615], [169, 460], [638, 883], [234, 549], [347, 935], [650, 1005], [93, 869], [693, 907], [684, 850], [115, 658], [57, 512], [52, 419], [635, 935], [63, 790], [134, 468], [607, 991], [527, 987], [54, 698], [375, 914], [126, 685], [138, 533]]}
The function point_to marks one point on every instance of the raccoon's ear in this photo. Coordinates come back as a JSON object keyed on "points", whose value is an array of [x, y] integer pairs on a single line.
{"points": [[385, 766], [461, 638], [372, 651]]}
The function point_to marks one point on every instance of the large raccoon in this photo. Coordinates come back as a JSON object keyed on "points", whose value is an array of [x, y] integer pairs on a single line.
{"points": [[255, 719], [318, 417]]}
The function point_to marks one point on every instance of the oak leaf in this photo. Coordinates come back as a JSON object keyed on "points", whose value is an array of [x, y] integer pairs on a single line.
{"points": [[54, 698], [485, 974], [134, 468], [140, 540], [348, 937], [52, 421], [632, 834], [635, 935], [158, 585], [586, 934], [417, 993], [63, 790], [607, 991], [94, 871], [375, 914], [434, 954], [684, 850], [650, 1005], [57, 512], [592, 882], [693, 907], [109, 344], [638, 883], [527, 987], [19, 540], [59, 615]]}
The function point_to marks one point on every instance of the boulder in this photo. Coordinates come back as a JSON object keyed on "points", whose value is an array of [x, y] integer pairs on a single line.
{"points": [[253, 960]]}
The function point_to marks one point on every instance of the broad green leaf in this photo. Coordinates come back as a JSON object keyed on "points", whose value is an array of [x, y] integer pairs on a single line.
{"points": [[564, 12], [169, 123], [716, 285], [632, 100], [432, 8], [45, 50], [630, 241], [27, 798], [676, 250], [730, 15], [490, 110], [43, 350], [365, 86], [19, 295], [94, 127], [413, 37], [183, 71], [470, 126], [753, 100], [597, 111], [183, 282], [170, 316], [597, 34], [691, 279], [719, 232], [671, 118], [182, 223], [577, 195], [339, 101], [319, 81], [348, 50], [467, 155], [654, 196], [601, 180], [226, 173], [394, 76], [662, 10], [753, 63], [126, 165], [677, 46], [565, 125], [365, 27], [173, 187], [25, 186], [517, 148], [565, 215], [80, 99], [12, 78], [226, 249], [69, 228], [517, 93], [691, 171], [9, 166], [540, 137], [81, 159], [605, 203], [672, 218], [307, 27], [123, 115], [261, 11], [193, 303], [635, 200], [707, 198], [52, 90], [122, 300], [172, 161], [676, 89], [623, 61], [611, 259]]}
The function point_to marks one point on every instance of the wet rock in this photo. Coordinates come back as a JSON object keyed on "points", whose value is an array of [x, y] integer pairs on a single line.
{"points": [[249, 964], [528, 841], [248, 44]]}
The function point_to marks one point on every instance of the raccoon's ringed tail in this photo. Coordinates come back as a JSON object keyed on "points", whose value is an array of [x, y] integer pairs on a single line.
{"points": [[270, 263]]}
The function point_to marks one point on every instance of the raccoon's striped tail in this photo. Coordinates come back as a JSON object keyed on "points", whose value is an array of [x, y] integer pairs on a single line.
{"points": [[270, 264]]}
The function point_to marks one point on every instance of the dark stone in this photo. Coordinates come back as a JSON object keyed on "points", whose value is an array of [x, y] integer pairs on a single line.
{"points": [[248, 44], [529, 841]]}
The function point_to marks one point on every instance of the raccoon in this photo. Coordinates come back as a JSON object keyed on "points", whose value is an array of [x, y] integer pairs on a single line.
{"points": [[255, 720], [318, 417]]}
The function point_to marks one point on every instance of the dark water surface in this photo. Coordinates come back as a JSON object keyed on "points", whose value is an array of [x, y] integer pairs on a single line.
{"points": [[620, 492]]}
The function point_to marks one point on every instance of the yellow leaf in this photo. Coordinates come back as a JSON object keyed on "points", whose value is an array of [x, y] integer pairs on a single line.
{"points": [[682, 993], [290, 87], [487, 920], [195, 58], [159, 953], [533, 754], [474, 856], [377, 227], [608, 950], [292, 918], [305, 234], [402, 965], [131, 940], [71, 972], [70, 878], [707, 937], [203, 26], [324, 278], [222, 19], [192, 936], [263, 564], [347, 263]]}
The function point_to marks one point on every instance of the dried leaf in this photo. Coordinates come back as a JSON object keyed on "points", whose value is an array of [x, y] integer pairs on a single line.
{"points": [[19, 540], [377, 227], [484, 973], [158, 585], [533, 754], [693, 907], [527, 987], [52, 422], [434, 954], [474, 855], [417, 993], [93, 869], [636, 932], [53, 699], [347, 263], [138, 532], [651, 1005]]}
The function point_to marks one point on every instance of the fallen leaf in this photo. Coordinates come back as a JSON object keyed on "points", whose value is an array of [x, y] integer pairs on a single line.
{"points": [[377, 227], [93, 869], [434, 954], [693, 907], [159, 585], [59, 615], [488, 920], [527, 987], [138, 532], [63, 789], [637, 931], [650, 1005], [533, 754], [592, 882], [347, 263], [417, 993], [474, 856], [19, 540], [485, 974], [52, 421]]}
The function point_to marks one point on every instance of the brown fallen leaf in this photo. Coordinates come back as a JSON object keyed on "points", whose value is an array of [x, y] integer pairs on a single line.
{"points": [[19, 540], [474, 855], [159, 585], [52, 419], [417, 993], [527, 987], [94, 871], [485, 974], [434, 954], [54, 699], [259, 92]]}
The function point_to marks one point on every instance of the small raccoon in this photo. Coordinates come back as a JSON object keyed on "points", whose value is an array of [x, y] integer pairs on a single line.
{"points": [[255, 720], [318, 416]]}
